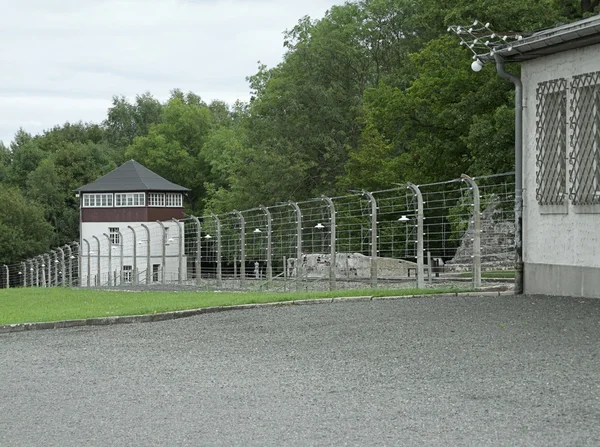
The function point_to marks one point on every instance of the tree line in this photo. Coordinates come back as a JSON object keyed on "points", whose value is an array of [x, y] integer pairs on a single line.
{"points": [[374, 93]]}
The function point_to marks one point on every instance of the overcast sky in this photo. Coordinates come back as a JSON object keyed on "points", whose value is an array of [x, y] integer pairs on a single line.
{"points": [[63, 60]]}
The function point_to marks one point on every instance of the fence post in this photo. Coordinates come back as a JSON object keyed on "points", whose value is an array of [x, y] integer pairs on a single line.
{"points": [[62, 268], [332, 269], [218, 230], [420, 270], [149, 254], [373, 203], [37, 271], [98, 277], [269, 248], [7, 276], [120, 258], [242, 248], [48, 269], [298, 213], [109, 259], [23, 271], [179, 252], [89, 263], [476, 230], [134, 277], [198, 248], [78, 247], [164, 251], [70, 258]]}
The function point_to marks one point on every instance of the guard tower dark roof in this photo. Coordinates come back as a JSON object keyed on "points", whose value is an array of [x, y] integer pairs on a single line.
{"points": [[131, 176]]}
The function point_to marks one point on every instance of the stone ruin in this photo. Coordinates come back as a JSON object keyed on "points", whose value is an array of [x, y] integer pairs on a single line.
{"points": [[349, 266], [497, 242]]}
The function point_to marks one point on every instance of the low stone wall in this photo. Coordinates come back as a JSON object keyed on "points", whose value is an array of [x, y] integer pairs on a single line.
{"points": [[349, 265]]}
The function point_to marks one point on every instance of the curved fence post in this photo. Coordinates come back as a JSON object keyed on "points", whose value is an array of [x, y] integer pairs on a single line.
{"points": [[242, 248], [420, 246], [164, 251], [332, 264], [109, 258], [24, 272], [373, 204], [62, 268], [269, 243], [78, 261], [179, 252], [48, 268], [198, 248], [134, 278], [98, 274], [476, 230], [7, 276], [148, 254], [218, 230], [89, 266], [298, 213], [120, 258]]}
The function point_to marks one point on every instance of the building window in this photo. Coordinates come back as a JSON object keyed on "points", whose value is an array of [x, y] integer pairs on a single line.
{"points": [[114, 235], [155, 271], [97, 200], [130, 199], [585, 139], [174, 200], [551, 142], [127, 273], [156, 199]]}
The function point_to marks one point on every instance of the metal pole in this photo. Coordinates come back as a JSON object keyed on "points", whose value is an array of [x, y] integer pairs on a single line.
{"points": [[298, 214], [148, 254], [89, 255], [373, 203], [476, 230], [98, 277], [25, 274], [120, 258], [7, 276], [55, 282], [180, 252], [49, 269], [269, 248], [242, 248], [62, 268], [109, 259], [218, 229], [70, 258], [135, 278], [420, 270], [332, 269], [164, 251], [37, 272], [76, 244], [198, 248], [519, 280]]}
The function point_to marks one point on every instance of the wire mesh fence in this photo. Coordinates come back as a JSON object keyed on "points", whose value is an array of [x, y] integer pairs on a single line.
{"points": [[456, 232]]}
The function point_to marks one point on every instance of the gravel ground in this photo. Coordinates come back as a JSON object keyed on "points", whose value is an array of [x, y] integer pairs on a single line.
{"points": [[465, 371]]}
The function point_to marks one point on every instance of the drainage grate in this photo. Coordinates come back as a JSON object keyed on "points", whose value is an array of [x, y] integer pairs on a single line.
{"points": [[584, 156], [551, 139]]}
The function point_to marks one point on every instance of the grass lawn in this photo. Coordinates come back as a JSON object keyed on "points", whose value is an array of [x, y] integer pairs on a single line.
{"points": [[28, 305]]}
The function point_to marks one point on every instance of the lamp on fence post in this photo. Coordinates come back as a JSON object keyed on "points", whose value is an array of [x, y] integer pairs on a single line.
{"points": [[198, 248], [420, 269], [34, 261], [54, 263], [218, 232], [49, 268], [134, 266], [476, 230], [242, 248], [72, 256], [298, 213], [31, 273]]}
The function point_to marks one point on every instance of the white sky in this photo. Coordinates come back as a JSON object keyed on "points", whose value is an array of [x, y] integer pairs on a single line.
{"points": [[63, 60]]}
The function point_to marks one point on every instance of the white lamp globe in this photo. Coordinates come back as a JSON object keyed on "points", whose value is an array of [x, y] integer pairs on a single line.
{"points": [[477, 65]]}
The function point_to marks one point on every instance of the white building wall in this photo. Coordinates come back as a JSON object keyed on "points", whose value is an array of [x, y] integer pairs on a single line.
{"points": [[152, 240], [561, 244]]}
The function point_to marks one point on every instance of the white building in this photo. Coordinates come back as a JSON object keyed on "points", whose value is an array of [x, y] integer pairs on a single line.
{"points": [[561, 157], [130, 230]]}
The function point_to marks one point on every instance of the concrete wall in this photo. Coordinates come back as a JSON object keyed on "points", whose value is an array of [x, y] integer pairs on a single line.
{"points": [[561, 245]]}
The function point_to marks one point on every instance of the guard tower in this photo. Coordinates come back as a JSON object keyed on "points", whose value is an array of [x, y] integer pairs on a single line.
{"points": [[129, 202]]}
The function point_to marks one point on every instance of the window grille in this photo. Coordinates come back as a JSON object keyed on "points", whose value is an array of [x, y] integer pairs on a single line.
{"points": [[97, 200], [174, 200], [584, 156], [551, 141], [130, 199], [156, 199]]}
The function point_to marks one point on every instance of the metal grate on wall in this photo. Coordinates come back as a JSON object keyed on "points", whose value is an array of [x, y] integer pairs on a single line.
{"points": [[551, 141], [584, 156]]}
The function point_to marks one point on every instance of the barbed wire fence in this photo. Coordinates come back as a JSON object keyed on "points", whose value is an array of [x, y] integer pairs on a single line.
{"points": [[460, 231]]}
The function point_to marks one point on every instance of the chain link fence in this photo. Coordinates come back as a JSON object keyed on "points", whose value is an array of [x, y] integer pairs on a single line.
{"points": [[458, 232]]}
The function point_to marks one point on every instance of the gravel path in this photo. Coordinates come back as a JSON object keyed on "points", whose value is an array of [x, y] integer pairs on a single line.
{"points": [[463, 371]]}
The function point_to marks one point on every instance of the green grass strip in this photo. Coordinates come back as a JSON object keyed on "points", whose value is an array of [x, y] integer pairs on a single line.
{"points": [[32, 305]]}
